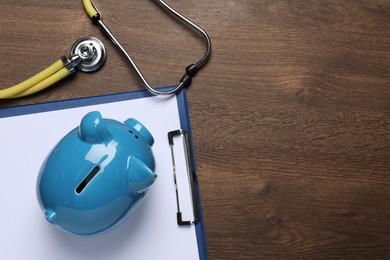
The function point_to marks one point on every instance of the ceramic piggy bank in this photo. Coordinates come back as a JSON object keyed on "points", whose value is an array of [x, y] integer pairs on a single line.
{"points": [[96, 175]]}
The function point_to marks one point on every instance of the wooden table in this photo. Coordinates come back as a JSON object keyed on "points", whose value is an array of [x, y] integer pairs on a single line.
{"points": [[290, 118]]}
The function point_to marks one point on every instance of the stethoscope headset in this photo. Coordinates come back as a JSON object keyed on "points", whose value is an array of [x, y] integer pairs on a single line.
{"points": [[88, 54]]}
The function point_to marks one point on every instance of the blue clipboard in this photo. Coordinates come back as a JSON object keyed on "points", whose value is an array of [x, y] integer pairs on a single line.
{"points": [[112, 98]]}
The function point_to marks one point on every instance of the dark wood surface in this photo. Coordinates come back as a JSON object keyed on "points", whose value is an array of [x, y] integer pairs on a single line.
{"points": [[290, 118]]}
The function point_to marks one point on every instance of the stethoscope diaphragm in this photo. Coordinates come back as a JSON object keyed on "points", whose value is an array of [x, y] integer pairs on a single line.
{"points": [[91, 52]]}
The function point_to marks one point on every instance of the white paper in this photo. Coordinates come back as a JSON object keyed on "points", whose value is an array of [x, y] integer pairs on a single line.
{"points": [[151, 232]]}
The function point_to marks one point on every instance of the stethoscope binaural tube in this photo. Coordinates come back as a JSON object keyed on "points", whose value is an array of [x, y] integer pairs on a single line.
{"points": [[191, 70]]}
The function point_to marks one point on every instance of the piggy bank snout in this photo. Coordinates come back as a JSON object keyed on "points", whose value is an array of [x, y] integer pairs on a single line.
{"points": [[139, 130]]}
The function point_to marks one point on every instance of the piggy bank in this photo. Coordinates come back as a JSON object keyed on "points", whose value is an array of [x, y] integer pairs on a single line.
{"points": [[96, 175]]}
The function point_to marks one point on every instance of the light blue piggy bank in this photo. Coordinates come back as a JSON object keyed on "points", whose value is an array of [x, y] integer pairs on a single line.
{"points": [[96, 175]]}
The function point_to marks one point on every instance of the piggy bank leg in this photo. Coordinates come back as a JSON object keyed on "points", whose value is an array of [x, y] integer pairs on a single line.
{"points": [[51, 216]]}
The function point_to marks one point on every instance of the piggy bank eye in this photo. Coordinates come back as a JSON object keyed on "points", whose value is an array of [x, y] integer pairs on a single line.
{"points": [[87, 179], [136, 136]]}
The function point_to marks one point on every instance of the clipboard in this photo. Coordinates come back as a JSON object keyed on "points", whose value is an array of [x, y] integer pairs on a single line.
{"points": [[152, 232]]}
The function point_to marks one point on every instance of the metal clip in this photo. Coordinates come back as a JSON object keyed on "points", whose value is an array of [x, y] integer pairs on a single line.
{"points": [[192, 176]]}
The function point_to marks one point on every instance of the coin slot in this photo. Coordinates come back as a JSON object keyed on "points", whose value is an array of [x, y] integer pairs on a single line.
{"points": [[87, 179]]}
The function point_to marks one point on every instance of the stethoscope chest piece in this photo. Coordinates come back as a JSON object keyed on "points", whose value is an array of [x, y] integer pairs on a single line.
{"points": [[92, 53]]}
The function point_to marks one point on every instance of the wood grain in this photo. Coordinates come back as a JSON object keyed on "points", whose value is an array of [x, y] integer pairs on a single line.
{"points": [[290, 119]]}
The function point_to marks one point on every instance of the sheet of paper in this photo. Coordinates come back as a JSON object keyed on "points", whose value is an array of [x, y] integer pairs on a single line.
{"points": [[151, 231]]}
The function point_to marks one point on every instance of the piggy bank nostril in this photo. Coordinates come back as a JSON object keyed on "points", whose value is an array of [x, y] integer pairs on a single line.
{"points": [[136, 136]]}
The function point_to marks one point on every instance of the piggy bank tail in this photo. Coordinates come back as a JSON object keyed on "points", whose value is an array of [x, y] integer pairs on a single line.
{"points": [[140, 177]]}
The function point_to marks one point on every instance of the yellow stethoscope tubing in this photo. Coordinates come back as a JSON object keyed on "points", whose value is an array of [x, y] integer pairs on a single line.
{"points": [[38, 82], [89, 8], [47, 77], [59, 75]]}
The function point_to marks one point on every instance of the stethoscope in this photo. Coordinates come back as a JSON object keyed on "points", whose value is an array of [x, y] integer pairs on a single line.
{"points": [[88, 54]]}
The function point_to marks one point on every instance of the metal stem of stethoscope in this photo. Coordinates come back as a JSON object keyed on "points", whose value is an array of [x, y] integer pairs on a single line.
{"points": [[194, 26], [191, 70]]}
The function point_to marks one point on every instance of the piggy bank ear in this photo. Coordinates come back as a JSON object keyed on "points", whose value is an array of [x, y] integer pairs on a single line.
{"points": [[139, 176], [92, 128], [140, 130]]}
